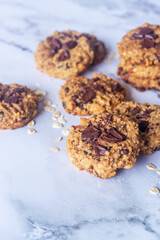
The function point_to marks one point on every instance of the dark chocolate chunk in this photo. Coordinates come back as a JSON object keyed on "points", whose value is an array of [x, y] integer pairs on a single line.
{"points": [[116, 87], [120, 69], [56, 44], [113, 136], [146, 30], [147, 43], [143, 126], [136, 36], [109, 118], [135, 110], [11, 100], [88, 95], [151, 36], [125, 151], [64, 56], [90, 134], [99, 88], [67, 89], [99, 150], [158, 148], [69, 45]]}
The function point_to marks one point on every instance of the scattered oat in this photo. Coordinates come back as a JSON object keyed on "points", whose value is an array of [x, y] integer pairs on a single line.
{"points": [[158, 171], [54, 105], [56, 115], [47, 102], [40, 93], [59, 139], [61, 120], [154, 190], [150, 166], [31, 131], [55, 149], [65, 132], [57, 125], [31, 123], [49, 109]]}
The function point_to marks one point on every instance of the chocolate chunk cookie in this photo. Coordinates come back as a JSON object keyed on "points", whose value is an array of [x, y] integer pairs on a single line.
{"points": [[84, 96], [141, 45], [140, 57], [148, 118], [103, 143], [64, 54], [18, 105]]}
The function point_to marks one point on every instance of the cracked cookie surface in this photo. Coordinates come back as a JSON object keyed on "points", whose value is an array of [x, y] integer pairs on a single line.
{"points": [[18, 105], [148, 119], [103, 143], [84, 96]]}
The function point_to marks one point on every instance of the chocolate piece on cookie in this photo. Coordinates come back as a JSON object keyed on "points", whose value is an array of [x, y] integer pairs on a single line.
{"points": [[103, 143], [18, 105], [84, 96]]}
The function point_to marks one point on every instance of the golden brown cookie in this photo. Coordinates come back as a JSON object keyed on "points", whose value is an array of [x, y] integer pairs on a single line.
{"points": [[148, 118], [141, 45], [103, 143], [64, 54], [84, 96], [18, 105]]}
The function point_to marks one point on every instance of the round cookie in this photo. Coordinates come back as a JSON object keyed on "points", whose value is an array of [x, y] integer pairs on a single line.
{"points": [[103, 143], [18, 105], [83, 96], [141, 84], [64, 54], [148, 118], [141, 45]]}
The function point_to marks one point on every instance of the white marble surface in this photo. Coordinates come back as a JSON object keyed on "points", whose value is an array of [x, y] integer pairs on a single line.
{"points": [[42, 195]]}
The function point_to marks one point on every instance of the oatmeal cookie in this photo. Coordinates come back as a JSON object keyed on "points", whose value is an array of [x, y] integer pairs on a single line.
{"points": [[103, 143], [18, 105], [84, 96], [64, 54]]}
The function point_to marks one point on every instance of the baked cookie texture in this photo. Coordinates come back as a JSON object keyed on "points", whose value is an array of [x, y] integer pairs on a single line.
{"points": [[83, 96], [139, 50], [103, 143], [18, 105], [66, 54], [148, 119]]}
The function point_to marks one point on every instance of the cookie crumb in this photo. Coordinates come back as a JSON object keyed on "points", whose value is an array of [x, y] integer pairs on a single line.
{"points": [[154, 190], [55, 149], [65, 132], [49, 109], [59, 139], [61, 120], [56, 115], [40, 93], [57, 125], [47, 102], [31, 123], [150, 166], [31, 131]]}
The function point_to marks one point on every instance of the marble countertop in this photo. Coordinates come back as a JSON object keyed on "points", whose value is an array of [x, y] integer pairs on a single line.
{"points": [[42, 195]]}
